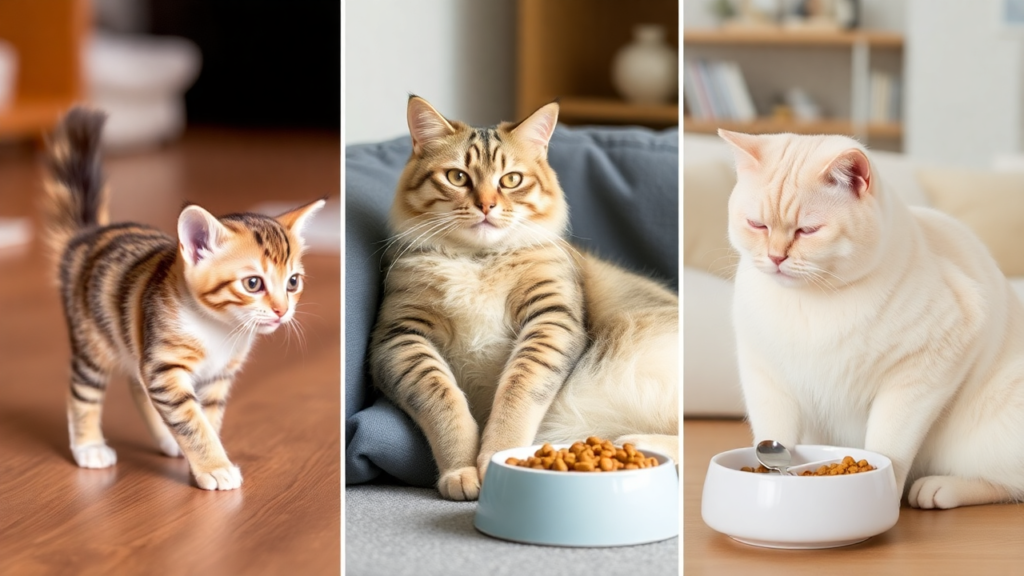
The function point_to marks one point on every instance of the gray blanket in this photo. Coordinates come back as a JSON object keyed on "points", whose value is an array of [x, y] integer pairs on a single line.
{"points": [[622, 185]]}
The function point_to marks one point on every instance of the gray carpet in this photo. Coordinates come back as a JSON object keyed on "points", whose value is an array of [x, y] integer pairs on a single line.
{"points": [[398, 531]]}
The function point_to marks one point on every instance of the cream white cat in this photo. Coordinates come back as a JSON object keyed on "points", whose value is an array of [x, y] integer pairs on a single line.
{"points": [[863, 322]]}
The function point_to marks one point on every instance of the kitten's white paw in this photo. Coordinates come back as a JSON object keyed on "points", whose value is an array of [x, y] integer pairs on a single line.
{"points": [[94, 456], [170, 447], [944, 492], [460, 484], [226, 478]]}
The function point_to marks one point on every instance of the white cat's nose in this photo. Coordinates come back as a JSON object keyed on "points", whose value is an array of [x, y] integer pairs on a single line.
{"points": [[778, 260]]}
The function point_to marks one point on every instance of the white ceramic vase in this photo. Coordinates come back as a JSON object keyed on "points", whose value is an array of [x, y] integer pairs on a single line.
{"points": [[646, 71]]}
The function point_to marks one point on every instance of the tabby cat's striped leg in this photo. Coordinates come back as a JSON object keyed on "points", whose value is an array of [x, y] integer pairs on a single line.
{"points": [[171, 390], [213, 396], [550, 342], [161, 434], [410, 370], [85, 408]]}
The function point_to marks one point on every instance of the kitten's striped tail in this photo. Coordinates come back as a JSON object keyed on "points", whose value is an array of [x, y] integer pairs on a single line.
{"points": [[76, 194]]}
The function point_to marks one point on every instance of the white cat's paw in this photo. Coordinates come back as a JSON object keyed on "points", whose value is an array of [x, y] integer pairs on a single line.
{"points": [[94, 455], [225, 478], [460, 484], [934, 492], [169, 446]]}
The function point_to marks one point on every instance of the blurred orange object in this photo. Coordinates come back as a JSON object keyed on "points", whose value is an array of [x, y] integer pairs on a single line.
{"points": [[48, 36]]}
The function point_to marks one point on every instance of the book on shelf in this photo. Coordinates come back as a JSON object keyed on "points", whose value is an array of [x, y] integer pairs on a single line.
{"points": [[717, 90], [886, 97]]}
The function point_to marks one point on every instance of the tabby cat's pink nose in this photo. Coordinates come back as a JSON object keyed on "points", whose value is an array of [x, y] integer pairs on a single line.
{"points": [[777, 259]]}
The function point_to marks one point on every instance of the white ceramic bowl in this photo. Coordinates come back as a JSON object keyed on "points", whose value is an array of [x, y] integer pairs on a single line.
{"points": [[618, 508], [800, 511]]}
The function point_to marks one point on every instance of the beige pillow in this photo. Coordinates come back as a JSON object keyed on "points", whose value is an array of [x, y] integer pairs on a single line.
{"points": [[989, 203], [706, 190]]}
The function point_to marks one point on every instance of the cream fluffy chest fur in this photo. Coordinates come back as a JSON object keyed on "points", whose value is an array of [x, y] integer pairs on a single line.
{"points": [[474, 299]]}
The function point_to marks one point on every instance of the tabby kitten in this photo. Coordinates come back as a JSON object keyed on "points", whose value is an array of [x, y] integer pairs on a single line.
{"points": [[861, 321], [177, 316], [491, 320]]}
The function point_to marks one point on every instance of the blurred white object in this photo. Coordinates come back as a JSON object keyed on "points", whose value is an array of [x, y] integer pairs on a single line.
{"points": [[803, 106], [646, 71], [140, 81], [1008, 163], [14, 232], [8, 73]]}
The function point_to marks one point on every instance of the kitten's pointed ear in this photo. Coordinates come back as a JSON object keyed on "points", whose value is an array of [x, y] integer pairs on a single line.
{"points": [[539, 126], [295, 220], [199, 234], [746, 147], [425, 123], [850, 170]]}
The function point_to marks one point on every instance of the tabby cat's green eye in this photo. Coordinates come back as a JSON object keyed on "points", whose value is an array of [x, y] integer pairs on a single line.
{"points": [[511, 180], [457, 177], [293, 283], [253, 283]]}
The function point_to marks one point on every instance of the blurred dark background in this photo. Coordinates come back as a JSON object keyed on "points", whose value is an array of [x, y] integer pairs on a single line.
{"points": [[265, 63]]}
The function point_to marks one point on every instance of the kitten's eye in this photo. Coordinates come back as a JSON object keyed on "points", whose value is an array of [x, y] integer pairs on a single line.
{"points": [[757, 225], [511, 180], [294, 282], [253, 283], [808, 230], [457, 177]]}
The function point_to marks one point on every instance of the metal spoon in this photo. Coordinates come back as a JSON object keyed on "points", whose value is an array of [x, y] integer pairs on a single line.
{"points": [[774, 456]]}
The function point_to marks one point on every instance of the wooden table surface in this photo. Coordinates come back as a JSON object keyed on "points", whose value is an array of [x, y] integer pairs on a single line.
{"points": [[976, 540], [282, 425]]}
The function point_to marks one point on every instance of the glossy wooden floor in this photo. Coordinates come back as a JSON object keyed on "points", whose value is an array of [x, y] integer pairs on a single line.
{"points": [[145, 516], [972, 540]]}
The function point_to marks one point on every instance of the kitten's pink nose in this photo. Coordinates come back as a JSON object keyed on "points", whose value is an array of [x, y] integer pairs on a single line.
{"points": [[279, 312], [485, 207], [777, 259]]}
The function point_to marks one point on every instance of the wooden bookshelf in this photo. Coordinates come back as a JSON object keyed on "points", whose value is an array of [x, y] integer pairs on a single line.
{"points": [[774, 126], [565, 50], [580, 109], [759, 49], [786, 37], [48, 35]]}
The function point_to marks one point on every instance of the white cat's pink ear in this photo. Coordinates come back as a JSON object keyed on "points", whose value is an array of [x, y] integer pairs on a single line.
{"points": [[295, 220], [426, 124], [539, 126], [199, 234], [746, 148], [850, 170]]}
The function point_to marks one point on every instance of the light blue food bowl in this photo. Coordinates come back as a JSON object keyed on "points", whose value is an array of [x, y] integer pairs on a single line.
{"points": [[620, 508]]}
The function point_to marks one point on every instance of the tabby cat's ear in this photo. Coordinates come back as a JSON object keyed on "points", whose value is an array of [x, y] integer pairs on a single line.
{"points": [[850, 170], [425, 123], [199, 234], [538, 128], [746, 148], [295, 220]]}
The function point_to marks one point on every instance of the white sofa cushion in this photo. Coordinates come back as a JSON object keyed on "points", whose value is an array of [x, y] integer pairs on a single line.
{"points": [[710, 375]]}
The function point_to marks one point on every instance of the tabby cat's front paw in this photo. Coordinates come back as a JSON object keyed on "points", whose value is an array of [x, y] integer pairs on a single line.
{"points": [[94, 455], [460, 484], [224, 478]]}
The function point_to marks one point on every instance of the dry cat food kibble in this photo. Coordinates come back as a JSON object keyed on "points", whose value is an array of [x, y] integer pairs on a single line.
{"points": [[847, 466], [594, 455]]}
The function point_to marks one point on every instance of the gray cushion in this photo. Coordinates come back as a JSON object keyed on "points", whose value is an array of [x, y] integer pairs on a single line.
{"points": [[622, 185]]}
